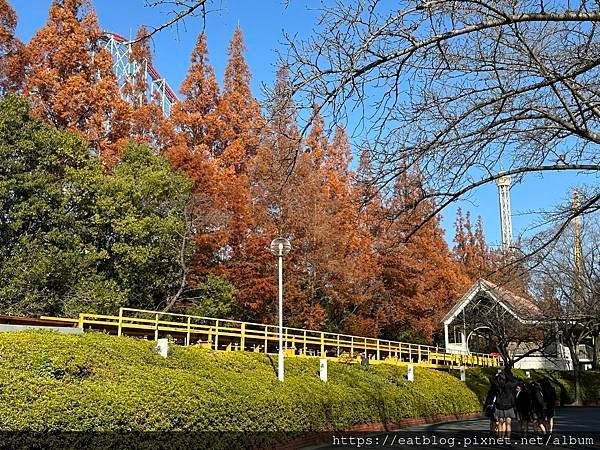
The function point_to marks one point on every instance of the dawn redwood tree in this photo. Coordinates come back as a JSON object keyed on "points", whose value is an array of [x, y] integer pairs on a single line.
{"points": [[237, 144], [70, 81], [147, 122], [238, 109], [421, 279], [470, 249], [12, 51], [195, 116], [271, 192], [352, 278], [190, 147]]}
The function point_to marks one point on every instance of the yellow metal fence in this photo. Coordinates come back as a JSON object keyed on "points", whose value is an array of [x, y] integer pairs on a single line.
{"points": [[229, 335]]}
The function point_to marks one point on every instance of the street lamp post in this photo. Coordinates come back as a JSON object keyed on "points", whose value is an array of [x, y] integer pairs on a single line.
{"points": [[280, 247]]}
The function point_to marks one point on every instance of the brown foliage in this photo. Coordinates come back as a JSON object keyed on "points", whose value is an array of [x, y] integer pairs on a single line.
{"points": [[70, 80], [148, 125], [13, 54], [421, 279]]}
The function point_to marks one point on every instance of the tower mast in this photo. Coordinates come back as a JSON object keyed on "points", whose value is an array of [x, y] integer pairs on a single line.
{"points": [[505, 216], [578, 253]]}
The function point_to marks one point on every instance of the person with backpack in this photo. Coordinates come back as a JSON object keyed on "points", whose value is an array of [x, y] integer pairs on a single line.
{"points": [[549, 394], [489, 403], [538, 407], [505, 403], [523, 407]]}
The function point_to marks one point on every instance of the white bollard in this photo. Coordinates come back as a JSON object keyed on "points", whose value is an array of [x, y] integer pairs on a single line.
{"points": [[162, 347], [528, 374], [410, 375], [323, 370], [463, 374]]}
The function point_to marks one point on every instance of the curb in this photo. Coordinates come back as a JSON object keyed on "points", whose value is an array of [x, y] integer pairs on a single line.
{"points": [[320, 438]]}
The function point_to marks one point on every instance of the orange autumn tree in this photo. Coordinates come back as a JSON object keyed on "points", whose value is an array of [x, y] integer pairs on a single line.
{"points": [[470, 249], [246, 260], [271, 193], [352, 279], [330, 271], [195, 116], [70, 81], [12, 51], [147, 122], [238, 109], [190, 147], [421, 279], [237, 143]]}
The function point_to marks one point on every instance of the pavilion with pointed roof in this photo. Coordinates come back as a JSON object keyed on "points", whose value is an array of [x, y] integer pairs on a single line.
{"points": [[465, 320]]}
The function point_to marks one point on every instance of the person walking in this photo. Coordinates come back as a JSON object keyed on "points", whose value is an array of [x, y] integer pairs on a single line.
{"points": [[505, 403], [549, 394], [489, 405], [523, 407]]}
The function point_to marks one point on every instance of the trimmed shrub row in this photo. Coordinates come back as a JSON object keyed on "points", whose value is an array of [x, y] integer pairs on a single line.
{"points": [[94, 382]]}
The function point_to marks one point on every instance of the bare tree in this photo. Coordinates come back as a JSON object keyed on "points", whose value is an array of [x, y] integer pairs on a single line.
{"points": [[467, 90], [200, 216], [514, 337], [569, 290]]}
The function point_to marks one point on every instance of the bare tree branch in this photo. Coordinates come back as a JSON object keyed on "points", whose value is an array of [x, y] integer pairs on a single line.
{"points": [[466, 91], [180, 9]]}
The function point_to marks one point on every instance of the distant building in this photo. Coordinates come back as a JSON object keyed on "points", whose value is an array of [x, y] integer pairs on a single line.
{"points": [[466, 323]]}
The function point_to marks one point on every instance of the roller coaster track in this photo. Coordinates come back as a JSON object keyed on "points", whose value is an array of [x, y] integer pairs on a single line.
{"points": [[232, 335], [125, 69]]}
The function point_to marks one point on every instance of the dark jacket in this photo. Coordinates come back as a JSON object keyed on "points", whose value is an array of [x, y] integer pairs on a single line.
{"points": [[506, 393]]}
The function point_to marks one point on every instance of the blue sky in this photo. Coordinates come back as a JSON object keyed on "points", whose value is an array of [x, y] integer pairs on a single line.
{"points": [[263, 23]]}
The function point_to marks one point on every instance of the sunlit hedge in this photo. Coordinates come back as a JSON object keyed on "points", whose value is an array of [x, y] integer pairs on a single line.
{"points": [[94, 382]]}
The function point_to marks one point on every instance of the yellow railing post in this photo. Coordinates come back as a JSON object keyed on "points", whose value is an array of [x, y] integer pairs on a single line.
{"points": [[378, 351], [420, 355], [120, 328], [322, 344], [81, 320], [243, 338], [338, 345], [304, 349], [156, 328], [188, 336], [266, 337], [217, 334], [351, 347]]}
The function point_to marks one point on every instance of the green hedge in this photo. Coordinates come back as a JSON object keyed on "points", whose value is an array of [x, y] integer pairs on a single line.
{"points": [[564, 382], [95, 382]]}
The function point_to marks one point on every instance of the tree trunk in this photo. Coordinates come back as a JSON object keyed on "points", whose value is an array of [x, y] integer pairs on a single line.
{"points": [[577, 371], [578, 400], [596, 355]]}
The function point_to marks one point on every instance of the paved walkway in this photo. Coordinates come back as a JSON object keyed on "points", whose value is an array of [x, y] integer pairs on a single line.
{"points": [[575, 428]]}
